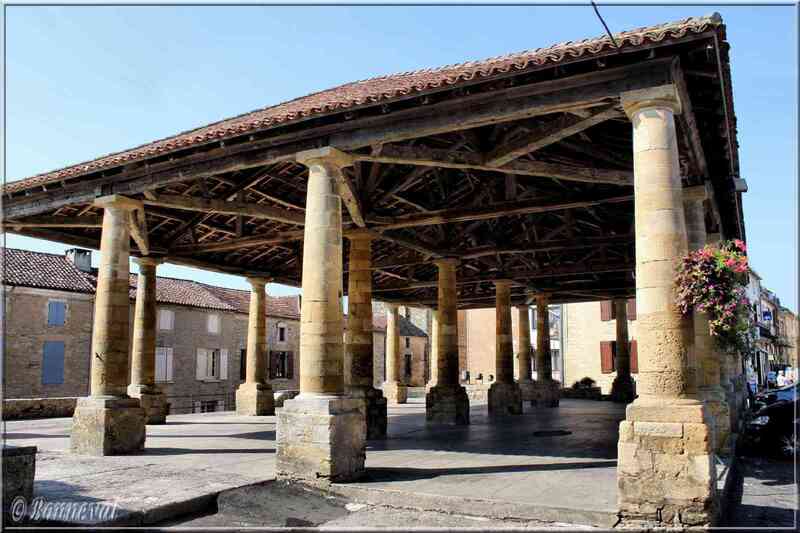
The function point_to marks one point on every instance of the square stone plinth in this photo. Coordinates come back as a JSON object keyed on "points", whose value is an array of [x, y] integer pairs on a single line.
{"points": [[395, 392], [447, 404], [505, 399], [546, 393], [665, 471], [321, 439], [255, 399], [527, 390], [19, 469], [107, 426], [373, 406], [153, 401]]}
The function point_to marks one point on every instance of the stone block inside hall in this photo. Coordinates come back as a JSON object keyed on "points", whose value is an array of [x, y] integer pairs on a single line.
{"points": [[321, 439], [19, 469], [666, 475], [447, 404], [153, 401], [623, 390], [107, 426], [395, 392], [255, 399], [373, 406], [505, 399], [546, 393]]}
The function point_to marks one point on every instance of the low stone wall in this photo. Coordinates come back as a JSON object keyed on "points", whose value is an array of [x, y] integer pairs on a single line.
{"points": [[478, 392], [29, 408], [592, 393]]}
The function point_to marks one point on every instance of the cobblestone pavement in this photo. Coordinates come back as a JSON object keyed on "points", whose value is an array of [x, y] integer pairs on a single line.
{"points": [[765, 495]]}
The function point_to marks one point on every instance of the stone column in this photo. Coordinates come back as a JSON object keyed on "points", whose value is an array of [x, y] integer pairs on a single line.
{"points": [[359, 365], [505, 397], [143, 351], [525, 380], [321, 433], [109, 422], [447, 402], [393, 388], [665, 469], [623, 390], [546, 390], [706, 359], [254, 397], [434, 357]]}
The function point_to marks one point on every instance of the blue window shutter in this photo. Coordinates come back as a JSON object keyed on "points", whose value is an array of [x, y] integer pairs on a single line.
{"points": [[56, 313], [53, 363]]}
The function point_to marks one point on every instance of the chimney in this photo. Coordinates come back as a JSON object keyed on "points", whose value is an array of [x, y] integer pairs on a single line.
{"points": [[82, 259]]}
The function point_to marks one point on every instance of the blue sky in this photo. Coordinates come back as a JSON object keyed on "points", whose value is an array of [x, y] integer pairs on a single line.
{"points": [[85, 81]]}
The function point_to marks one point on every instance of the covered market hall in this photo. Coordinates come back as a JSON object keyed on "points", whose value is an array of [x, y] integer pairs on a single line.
{"points": [[579, 172]]}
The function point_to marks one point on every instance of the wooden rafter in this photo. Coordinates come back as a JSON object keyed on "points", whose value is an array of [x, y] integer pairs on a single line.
{"points": [[204, 205], [56, 221]]}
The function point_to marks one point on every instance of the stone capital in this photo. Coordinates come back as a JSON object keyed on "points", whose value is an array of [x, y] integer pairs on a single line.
{"points": [[444, 261], [698, 193], [326, 156], [118, 201], [543, 297], [360, 234], [257, 282], [503, 283], [663, 96], [148, 261]]}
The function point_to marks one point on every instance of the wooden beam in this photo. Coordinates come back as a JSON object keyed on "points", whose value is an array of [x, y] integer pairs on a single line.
{"points": [[561, 128], [524, 207], [430, 157], [687, 121], [57, 221], [138, 228], [349, 194], [204, 205], [525, 101], [235, 244]]}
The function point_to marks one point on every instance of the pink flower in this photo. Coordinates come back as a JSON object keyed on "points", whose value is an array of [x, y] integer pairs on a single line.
{"points": [[740, 245]]}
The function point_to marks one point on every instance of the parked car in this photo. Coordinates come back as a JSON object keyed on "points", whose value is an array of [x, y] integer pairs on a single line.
{"points": [[789, 393], [773, 430]]}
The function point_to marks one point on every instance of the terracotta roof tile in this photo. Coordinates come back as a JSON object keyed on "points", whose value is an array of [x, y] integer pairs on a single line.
{"points": [[43, 270], [381, 89]]}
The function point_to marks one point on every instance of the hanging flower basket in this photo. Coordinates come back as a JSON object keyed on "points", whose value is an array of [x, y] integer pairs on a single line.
{"points": [[713, 280]]}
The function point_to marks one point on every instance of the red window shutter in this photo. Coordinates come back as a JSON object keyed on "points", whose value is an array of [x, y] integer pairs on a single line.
{"points": [[631, 308], [606, 357], [289, 365], [634, 358], [606, 310]]}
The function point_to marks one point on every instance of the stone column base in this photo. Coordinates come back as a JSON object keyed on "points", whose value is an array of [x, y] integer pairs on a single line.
{"points": [[527, 390], [395, 392], [505, 399], [447, 404], [623, 390], [19, 469], [107, 426], [321, 439], [374, 410], [546, 393], [152, 400], [665, 467], [255, 399], [718, 409]]}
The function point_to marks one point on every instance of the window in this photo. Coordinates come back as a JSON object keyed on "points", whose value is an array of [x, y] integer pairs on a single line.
{"points": [[242, 364], [166, 319], [281, 365], [56, 312], [212, 364], [408, 342], [213, 324], [281, 332], [206, 406], [408, 366], [163, 364], [53, 363]]}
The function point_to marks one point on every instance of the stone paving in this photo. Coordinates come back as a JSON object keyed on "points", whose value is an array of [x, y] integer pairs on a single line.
{"points": [[557, 465]]}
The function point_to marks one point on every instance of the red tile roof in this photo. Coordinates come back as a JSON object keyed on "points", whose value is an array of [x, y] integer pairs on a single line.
{"points": [[53, 271], [42, 270], [381, 90]]}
